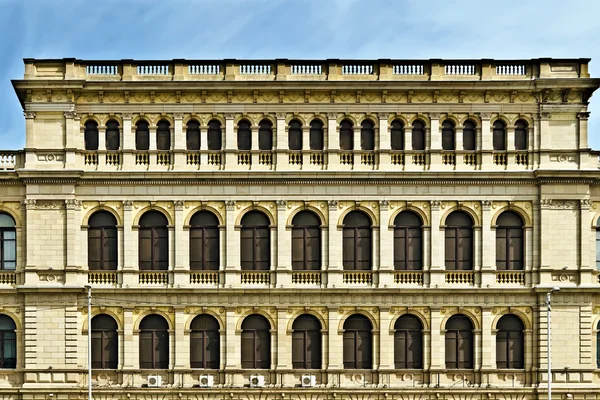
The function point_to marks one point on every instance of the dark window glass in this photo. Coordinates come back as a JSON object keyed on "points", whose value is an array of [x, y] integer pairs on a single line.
{"points": [[102, 241], [367, 135], [306, 242], [499, 136], [192, 135], [215, 140], [204, 241], [265, 135], [256, 342], [306, 342], [346, 135], [408, 343], [316, 135], [90, 135], [358, 343], [8, 343], [459, 241], [418, 135], [509, 242], [397, 135], [357, 242], [521, 135], [244, 135], [295, 135], [204, 342], [408, 242], [113, 136], [469, 136], [459, 342], [154, 343], [105, 342], [153, 241], [8, 243], [510, 344], [448, 135], [163, 136], [255, 242], [142, 136]]}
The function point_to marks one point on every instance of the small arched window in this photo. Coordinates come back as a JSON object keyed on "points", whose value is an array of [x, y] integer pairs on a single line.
{"points": [[265, 135], [163, 135], [469, 136], [113, 136], [510, 343], [459, 342], [357, 241], [142, 135], [367, 135], [448, 135], [255, 242], [204, 241], [8, 243], [499, 135], [306, 342], [346, 135], [306, 242], [154, 241], [397, 135], [295, 135], [215, 135], [316, 135], [418, 135], [204, 342], [459, 241], [521, 135], [256, 342], [8, 342], [358, 343], [244, 138], [509, 241], [154, 343], [408, 342], [90, 135], [105, 342], [192, 135], [408, 242], [102, 241]]}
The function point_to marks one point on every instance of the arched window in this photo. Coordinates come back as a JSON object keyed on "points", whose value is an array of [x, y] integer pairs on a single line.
{"points": [[509, 241], [102, 241], [256, 342], [367, 135], [306, 242], [8, 342], [357, 241], [306, 342], [244, 138], [521, 135], [499, 135], [255, 242], [105, 342], [316, 135], [448, 135], [265, 135], [8, 243], [408, 242], [113, 136], [154, 241], [295, 135], [397, 135], [408, 342], [459, 342], [204, 241], [154, 343], [469, 136], [192, 135], [459, 241], [418, 135], [358, 343], [163, 135], [204, 342], [215, 138], [90, 135], [142, 135], [510, 343], [346, 135]]}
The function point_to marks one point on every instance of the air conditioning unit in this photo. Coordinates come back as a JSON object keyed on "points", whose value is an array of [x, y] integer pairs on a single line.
{"points": [[154, 380], [257, 381], [309, 380], [207, 381]]}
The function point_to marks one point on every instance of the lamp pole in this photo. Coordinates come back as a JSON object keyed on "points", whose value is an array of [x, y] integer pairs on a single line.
{"points": [[89, 298], [555, 289]]}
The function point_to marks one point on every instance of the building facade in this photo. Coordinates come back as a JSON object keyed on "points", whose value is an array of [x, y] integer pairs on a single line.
{"points": [[373, 229]]}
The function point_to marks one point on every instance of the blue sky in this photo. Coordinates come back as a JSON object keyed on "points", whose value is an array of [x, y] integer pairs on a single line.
{"points": [[198, 29]]}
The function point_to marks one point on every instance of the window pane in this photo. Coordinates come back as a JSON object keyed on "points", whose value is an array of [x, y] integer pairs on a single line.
{"points": [[501, 349], [263, 350], [415, 350], [348, 249], [450, 248], [516, 350], [248, 350], [97, 350], [465, 350], [110, 349], [363, 353], [298, 347], [501, 256], [215, 140], [363, 249], [451, 355], [313, 349], [162, 349], [349, 350], [146, 350], [316, 136], [400, 349], [212, 349], [400, 262]]}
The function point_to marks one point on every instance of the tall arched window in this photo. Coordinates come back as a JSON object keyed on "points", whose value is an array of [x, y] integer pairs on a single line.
{"points": [[204, 241], [459, 342], [459, 241], [8, 342], [408, 242], [113, 136], [256, 342], [265, 135], [448, 135], [8, 243], [397, 135], [192, 135], [255, 242], [509, 241], [295, 135], [408, 342], [102, 241], [244, 138], [521, 135], [357, 241], [510, 343], [105, 342], [142, 135], [306, 342], [154, 343], [163, 135], [418, 135], [215, 136], [469, 136], [90, 135], [367, 135], [306, 242], [316, 135], [499, 135], [204, 342], [346, 135], [358, 343], [154, 241]]}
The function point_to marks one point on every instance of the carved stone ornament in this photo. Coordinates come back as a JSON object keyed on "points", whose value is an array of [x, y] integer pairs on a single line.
{"points": [[73, 204], [29, 114], [43, 204], [332, 204], [281, 205], [549, 204], [127, 205], [544, 115], [584, 204], [178, 116], [280, 115], [484, 116], [126, 116], [70, 114], [230, 205], [583, 116], [178, 204], [384, 205], [383, 115], [435, 205], [486, 204], [332, 115], [28, 204], [434, 116]]}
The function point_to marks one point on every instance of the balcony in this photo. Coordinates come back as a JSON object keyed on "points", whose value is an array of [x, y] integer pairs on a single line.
{"points": [[460, 277], [510, 278]]}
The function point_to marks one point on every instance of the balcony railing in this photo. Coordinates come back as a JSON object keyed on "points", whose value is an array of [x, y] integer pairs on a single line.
{"points": [[102, 278], [256, 277], [408, 277], [157, 278], [306, 277], [459, 277], [9, 160], [204, 277], [510, 277], [358, 277], [8, 278]]}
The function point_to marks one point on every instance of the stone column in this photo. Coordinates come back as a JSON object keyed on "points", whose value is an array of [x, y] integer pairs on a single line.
{"points": [[529, 250], [127, 142], [544, 129], [72, 129], [281, 143], [130, 357], [101, 146], [356, 146], [488, 340], [386, 246], [284, 341], [129, 247], [336, 353], [386, 340], [306, 146], [232, 355], [510, 138], [487, 245], [587, 265], [583, 129], [254, 144], [333, 141], [181, 339], [407, 140], [460, 143], [230, 140], [477, 349], [73, 240], [477, 255], [435, 140], [152, 137], [232, 249], [383, 142], [484, 141], [179, 141], [283, 245], [427, 250], [181, 242], [334, 274], [436, 245], [437, 339]]}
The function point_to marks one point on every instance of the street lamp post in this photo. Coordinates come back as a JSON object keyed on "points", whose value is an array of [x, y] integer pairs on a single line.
{"points": [[555, 289]]}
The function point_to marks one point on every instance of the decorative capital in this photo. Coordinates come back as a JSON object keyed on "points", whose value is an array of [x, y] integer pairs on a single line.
{"points": [[72, 204], [178, 116], [230, 205], [583, 115], [544, 115], [280, 115], [127, 205], [484, 115], [332, 204], [383, 115], [229, 116], [28, 204], [126, 116], [332, 115], [435, 204], [70, 114], [434, 115], [584, 204], [281, 204], [178, 205], [29, 114], [486, 205], [384, 205]]}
